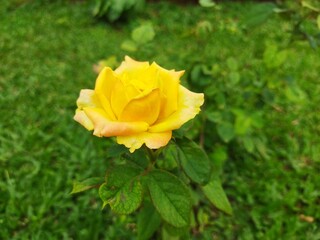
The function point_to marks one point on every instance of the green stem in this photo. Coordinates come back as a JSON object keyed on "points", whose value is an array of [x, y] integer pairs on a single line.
{"points": [[152, 155]]}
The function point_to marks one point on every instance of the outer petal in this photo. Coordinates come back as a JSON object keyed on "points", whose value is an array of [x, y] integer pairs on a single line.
{"points": [[145, 108], [103, 126], [152, 140], [189, 104], [83, 119], [87, 98], [129, 65]]}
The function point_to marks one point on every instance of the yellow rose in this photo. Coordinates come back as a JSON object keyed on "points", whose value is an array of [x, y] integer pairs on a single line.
{"points": [[138, 103]]}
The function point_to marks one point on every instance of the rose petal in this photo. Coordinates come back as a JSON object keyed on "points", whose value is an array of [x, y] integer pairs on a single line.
{"points": [[105, 82], [103, 126], [104, 85], [144, 109], [118, 98], [87, 98], [129, 65], [152, 140], [188, 107], [83, 119], [169, 85]]}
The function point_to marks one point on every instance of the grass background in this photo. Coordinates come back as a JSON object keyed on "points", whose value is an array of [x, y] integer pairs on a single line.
{"points": [[47, 52]]}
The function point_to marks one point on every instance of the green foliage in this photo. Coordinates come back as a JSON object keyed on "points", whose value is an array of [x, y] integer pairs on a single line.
{"points": [[148, 221], [170, 197], [86, 184], [143, 34], [122, 190], [214, 192], [139, 37], [258, 14], [194, 161], [115, 9]]}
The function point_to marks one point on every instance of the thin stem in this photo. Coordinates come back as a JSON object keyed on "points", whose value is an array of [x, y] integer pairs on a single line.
{"points": [[152, 155]]}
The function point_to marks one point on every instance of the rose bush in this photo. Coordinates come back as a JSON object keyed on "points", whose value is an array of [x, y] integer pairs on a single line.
{"points": [[138, 103]]}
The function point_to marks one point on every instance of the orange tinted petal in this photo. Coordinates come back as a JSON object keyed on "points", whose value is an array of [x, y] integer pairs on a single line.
{"points": [[144, 109], [83, 119], [103, 126], [189, 104], [152, 140], [87, 98]]}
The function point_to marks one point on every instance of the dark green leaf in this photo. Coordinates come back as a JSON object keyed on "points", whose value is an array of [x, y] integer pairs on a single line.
{"points": [[116, 151], [174, 231], [214, 116], [138, 159], [225, 131], [248, 143], [214, 192], [170, 197], [148, 221], [87, 184], [122, 190], [258, 14], [193, 160]]}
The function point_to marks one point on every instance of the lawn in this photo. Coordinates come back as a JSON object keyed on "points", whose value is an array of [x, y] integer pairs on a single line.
{"points": [[260, 124]]}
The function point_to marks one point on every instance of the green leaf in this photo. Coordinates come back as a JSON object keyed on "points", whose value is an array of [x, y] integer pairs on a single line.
{"points": [[225, 131], [168, 160], [234, 77], [194, 161], [174, 231], [274, 58], [86, 184], [243, 122], [143, 34], [116, 151], [122, 190], [129, 45], [318, 21], [248, 143], [309, 6], [258, 14], [214, 116], [232, 64], [214, 192], [206, 3], [148, 221], [138, 159], [218, 157], [170, 196]]}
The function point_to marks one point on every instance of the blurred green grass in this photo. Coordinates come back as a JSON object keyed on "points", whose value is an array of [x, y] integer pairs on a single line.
{"points": [[47, 53]]}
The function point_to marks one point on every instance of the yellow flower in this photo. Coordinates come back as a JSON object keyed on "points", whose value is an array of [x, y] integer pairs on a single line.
{"points": [[138, 103]]}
